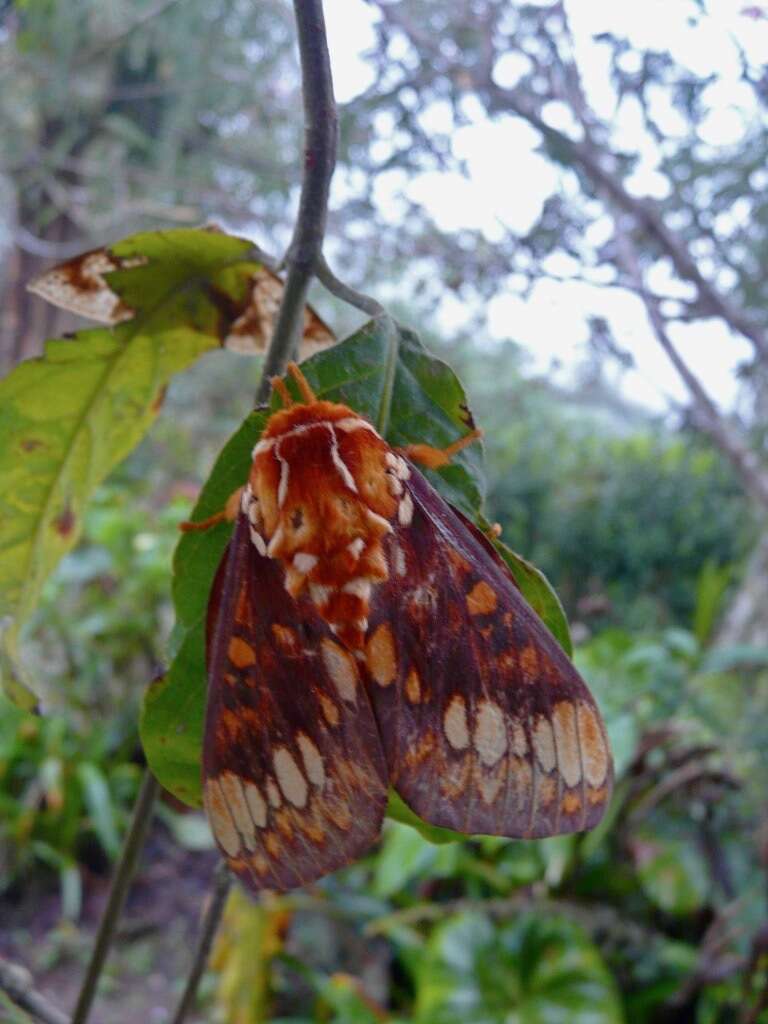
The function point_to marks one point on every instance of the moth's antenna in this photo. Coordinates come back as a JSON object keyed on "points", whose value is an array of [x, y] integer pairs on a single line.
{"points": [[306, 391], [278, 385]]}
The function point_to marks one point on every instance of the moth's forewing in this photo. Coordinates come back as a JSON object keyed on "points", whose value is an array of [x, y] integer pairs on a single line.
{"points": [[486, 725], [294, 777]]}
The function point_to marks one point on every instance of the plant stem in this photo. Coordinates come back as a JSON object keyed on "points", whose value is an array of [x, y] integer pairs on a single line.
{"points": [[359, 300], [134, 841], [220, 890], [320, 131], [16, 982]]}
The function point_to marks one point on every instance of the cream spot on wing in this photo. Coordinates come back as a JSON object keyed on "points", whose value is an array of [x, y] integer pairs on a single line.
{"points": [[594, 749], [455, 723], [313, 762], [490, 735], [490, 786], [399, 559], [273, 793], [380, 655], [378, 523], [262, 446], [481, 600], [256, 804], [238, 808], [304, 562], [289, 777], [394, 485], [567, 742], [413, 687], [402, 469], [253, 512], [341, 667], [517, 740], [240, 653], [544, 744], [405, 510], [220, 819]]}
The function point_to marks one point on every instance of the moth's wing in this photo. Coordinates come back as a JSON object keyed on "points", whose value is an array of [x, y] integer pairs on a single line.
{"points": [[486, 725], [294, 778]]}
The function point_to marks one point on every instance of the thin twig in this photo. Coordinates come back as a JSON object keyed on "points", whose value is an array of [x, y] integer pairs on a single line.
{"points": [[16, 982], [132, 846], [320, 131], [220, 890], [342, 291]]}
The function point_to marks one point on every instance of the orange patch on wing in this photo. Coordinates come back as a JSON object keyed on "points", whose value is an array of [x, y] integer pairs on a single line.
{"points": [[330, 711], [285, 637], [240, 653], [481, 600], [529, 660], [413, 687], [571, 803], [597, 795], [380, 655]]}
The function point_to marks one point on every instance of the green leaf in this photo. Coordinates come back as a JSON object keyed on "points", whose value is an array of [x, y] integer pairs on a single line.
{"points": [[540, 595], [671, 873], [384, 373], [98, 800], [69, 417], [536, 970], [406, 854]]}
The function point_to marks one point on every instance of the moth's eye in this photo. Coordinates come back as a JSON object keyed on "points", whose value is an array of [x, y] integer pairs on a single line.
{"points": [[297, 518]]}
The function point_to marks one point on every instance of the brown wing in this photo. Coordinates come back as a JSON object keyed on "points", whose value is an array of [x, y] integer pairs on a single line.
{"points": [[486, 725], [294, 778]]}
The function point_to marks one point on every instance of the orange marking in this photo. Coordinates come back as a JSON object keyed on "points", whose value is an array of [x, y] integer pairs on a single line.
{"points": [[454, 778], [330, 711], [481, 600], [546, 789], [594, 750], [571, 803], [240, 653], [273, 845], [597, 795], [260, 863], [283, 822], [380, 655], [413, 687], [285, 637], [424, 747], [529, 661]]}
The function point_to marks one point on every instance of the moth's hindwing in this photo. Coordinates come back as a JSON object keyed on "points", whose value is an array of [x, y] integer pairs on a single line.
{"points": [[294, 779], [486, 725]]}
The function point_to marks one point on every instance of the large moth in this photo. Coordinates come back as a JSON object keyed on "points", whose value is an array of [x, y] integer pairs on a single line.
{"points": [[364, 634]]}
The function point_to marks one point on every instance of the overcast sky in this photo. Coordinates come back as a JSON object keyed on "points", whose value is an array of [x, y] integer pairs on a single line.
{"points": [[551, 323]]}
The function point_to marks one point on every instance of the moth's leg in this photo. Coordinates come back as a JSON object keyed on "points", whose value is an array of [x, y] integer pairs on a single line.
{"points": [[227, 515], [278, 385], [435, 458], [304, 387]]}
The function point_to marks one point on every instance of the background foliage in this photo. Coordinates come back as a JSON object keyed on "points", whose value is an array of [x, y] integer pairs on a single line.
{"points": [[125, 117]]}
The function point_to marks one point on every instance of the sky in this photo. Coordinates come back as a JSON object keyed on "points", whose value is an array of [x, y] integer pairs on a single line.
{"points": [[551, 322]]}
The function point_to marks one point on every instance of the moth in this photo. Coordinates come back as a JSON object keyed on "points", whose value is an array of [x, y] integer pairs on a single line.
{"points": [[364, 634]]}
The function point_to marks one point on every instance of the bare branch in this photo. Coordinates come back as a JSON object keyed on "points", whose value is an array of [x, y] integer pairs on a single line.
{"points": [[328, 279], [16, 982], [221, 886], [320, 131], [753, 475]]}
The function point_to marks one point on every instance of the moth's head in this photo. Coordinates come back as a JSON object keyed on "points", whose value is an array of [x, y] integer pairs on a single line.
{"points": [[322, 477]]}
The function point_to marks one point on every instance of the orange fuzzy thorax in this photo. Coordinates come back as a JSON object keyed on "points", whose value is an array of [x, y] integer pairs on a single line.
{"points": [[322, 491]]}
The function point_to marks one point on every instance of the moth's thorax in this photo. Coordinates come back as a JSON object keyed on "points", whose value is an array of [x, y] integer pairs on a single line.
{"points": [[323, 489]]}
